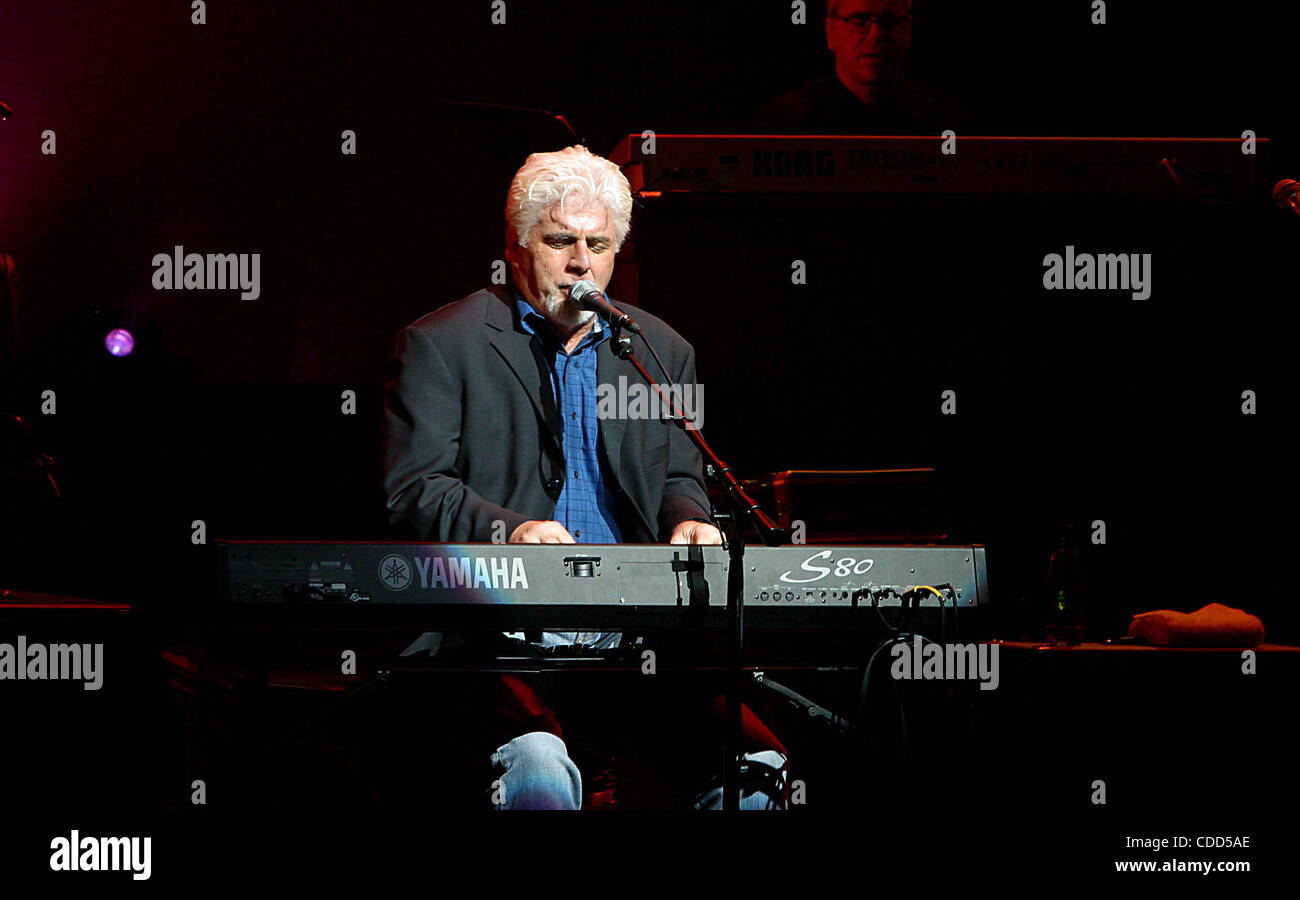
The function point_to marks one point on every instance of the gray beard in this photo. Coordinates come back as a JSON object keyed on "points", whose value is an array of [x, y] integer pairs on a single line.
{"points": [[561, 311]]}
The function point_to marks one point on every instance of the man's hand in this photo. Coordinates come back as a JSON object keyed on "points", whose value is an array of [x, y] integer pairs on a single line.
{"points": [[535, 531], [695, 533]]}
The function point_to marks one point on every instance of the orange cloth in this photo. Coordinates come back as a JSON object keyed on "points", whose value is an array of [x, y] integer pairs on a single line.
{"points": [[1214, 625]]}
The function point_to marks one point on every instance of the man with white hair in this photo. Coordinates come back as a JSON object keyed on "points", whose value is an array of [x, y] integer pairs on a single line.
{"points": [[491, 428]]}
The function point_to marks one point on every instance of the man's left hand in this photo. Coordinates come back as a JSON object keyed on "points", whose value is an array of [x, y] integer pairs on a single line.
{"points": [[695, 533]]}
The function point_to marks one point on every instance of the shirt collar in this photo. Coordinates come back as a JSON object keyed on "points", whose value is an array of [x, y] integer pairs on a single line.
{"points": [[531, 318]]}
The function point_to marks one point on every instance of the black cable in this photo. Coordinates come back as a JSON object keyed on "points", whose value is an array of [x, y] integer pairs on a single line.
{"points": [[956, 623], [901, 749], [910, 601], [899, 637], [905, 615], [943, 620]]}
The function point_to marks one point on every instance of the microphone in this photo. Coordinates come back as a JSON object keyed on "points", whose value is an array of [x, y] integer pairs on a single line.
{"points": [[587, 296], [1286, 194]]}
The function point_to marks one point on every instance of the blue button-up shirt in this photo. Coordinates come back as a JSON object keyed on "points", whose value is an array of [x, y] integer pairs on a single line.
{"points": [[586, 503]]}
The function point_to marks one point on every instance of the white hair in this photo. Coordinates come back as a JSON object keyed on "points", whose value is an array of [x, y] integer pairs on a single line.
{"points": [[575, 180]]}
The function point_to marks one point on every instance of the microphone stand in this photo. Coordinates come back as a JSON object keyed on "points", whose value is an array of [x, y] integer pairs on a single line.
{"points": [[743, 509]]}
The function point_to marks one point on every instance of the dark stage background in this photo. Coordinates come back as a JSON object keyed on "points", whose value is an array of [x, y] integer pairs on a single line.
{"points": [[225, 137]]}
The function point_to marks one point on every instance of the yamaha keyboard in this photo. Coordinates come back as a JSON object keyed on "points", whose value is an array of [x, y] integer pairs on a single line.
{"points": [[589, 585]]}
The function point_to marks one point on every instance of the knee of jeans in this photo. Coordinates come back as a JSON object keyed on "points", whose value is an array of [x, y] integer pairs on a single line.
{"points": [[763, 784], [538, 774]]}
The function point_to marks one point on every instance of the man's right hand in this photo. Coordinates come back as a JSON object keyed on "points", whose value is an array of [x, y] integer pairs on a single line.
{"points": [[535, 531]]}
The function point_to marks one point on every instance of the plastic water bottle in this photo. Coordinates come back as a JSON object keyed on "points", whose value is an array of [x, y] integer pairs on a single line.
{"points": [[1065, 591]]}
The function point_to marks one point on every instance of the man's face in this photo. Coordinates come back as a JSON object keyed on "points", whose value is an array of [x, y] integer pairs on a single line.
{"points": [[563, 248], [874, 56]]}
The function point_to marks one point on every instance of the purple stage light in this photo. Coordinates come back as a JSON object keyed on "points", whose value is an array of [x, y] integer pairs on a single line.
{"points": [[119, 342]]}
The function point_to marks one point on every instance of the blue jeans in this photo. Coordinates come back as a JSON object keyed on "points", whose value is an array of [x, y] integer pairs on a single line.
{"points": [[536, 773]]}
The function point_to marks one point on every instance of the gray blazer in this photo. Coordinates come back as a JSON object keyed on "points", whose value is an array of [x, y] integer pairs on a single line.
{"points": [[471, 433]]}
